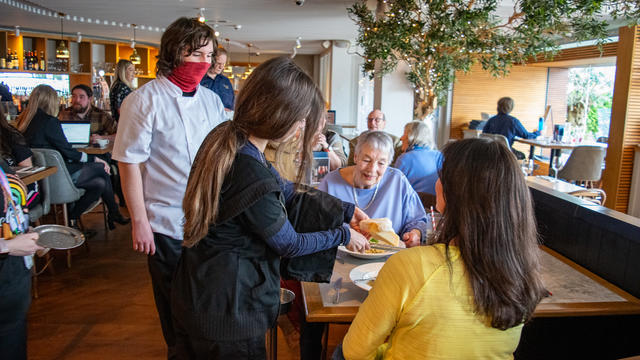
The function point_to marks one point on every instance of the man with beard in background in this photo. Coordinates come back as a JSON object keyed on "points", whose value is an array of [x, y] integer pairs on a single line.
{"points": [[102, 124]]}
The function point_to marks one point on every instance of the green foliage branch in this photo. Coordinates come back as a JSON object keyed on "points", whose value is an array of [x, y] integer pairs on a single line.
{"points": [[437, 38]]}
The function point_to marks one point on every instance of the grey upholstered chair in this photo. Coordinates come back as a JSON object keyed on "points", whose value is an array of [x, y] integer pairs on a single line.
{"points": [[44, 207], [497, 137], [584, 164], [66, 192]]}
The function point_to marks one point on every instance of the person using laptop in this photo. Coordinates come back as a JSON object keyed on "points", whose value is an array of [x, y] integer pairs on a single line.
{"points": [[102, 124], [42, 129]]}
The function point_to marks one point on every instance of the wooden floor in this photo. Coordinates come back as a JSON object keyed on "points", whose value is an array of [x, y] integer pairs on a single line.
{"points": [[103, 308]]}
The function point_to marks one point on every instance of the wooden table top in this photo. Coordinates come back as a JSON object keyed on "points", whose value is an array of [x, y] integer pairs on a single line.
{"points": [[554, 184], [97, 150], [556, 145], [31, 177], [575, 292]]}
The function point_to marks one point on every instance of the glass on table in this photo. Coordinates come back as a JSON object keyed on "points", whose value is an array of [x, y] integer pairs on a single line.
{"points": [[527, 167], [555, 165]]}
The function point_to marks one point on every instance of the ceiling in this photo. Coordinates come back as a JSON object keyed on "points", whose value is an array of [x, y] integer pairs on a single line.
{"points": [[271, 25]]}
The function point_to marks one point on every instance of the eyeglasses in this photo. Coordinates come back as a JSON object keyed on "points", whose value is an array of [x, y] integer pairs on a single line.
{"points": [[378, 119]]}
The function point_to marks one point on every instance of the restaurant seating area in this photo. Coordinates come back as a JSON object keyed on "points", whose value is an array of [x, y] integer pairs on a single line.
{"points": [[305, 183]]}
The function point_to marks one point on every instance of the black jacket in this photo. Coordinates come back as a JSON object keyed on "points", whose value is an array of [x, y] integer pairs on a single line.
{"points": [[227, 286], [45, 131]]}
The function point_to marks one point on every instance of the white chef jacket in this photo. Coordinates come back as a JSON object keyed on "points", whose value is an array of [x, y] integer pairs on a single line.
{"points": [[163, 130]]}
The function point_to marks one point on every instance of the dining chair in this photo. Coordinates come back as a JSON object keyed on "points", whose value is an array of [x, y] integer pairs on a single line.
{"points": [[584, 165], [427, 200], [66, 192], [43, 208], [497, 137], [35, 213], [597, 196]]}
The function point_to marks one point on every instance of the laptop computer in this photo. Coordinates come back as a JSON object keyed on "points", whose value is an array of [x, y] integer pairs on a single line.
{"points": [[78, 133]]}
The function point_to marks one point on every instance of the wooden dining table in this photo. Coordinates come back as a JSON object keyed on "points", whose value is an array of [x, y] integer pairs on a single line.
{"points": [[554, 184], [555, 146], [97, 150], [574, 292], [33, 174]]}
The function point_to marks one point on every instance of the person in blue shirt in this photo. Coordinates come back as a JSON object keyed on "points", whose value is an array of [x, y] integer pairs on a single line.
{"points": [[507, 125], [218, 83], [419, 161], [5, 93]]}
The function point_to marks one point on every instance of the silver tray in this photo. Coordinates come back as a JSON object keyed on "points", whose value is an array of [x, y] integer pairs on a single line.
{"points": [[59, 237]]}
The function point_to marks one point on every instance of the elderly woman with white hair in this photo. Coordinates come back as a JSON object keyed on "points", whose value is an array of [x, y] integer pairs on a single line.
{"points": [[379, 190], [419, 161]]}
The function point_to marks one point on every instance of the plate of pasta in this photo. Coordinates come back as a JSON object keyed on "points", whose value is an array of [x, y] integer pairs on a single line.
{"points": [[369, 254]]}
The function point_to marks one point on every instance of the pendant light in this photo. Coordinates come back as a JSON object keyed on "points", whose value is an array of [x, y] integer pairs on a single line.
{"points": [[62, 52], [249, 69], [134, 58]]}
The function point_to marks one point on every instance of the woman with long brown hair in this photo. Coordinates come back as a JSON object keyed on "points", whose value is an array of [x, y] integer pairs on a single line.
{"points": [[467, 295], [42, 129], [226, 287]]}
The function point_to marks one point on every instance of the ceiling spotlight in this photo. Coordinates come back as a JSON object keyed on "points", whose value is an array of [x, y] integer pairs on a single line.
{"points": [[298, 45], [79, 40], [237, 27], [201, 16], [299, 2], [17, 30], [326, 44]]}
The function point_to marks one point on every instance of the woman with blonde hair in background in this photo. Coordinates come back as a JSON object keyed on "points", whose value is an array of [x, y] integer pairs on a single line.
{"points": [[122, 86], [42, 129], [226, 291]]}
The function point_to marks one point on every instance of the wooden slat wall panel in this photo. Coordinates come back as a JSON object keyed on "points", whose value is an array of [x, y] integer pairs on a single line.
{"points": [[478, 92], [624, 133], [584, 52], [557, 96]]}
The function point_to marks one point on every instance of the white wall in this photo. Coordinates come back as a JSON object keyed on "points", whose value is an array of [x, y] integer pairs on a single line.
{"points": [[396, 100], [344, 85]]}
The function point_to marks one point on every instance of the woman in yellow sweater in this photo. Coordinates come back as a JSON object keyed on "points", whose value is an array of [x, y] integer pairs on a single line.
{"points": [[467, 295]]}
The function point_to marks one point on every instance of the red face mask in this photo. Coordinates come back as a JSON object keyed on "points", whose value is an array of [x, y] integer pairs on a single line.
{"points": [[187, 76]]}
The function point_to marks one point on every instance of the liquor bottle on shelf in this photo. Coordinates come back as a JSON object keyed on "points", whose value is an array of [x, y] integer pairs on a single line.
{"points": [[3, 62], [42, 61], [16, 61], [34, 61]]}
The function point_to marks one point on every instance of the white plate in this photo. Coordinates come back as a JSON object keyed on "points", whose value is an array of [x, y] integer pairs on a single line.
{"points": [[364, 272], [365, 255]]}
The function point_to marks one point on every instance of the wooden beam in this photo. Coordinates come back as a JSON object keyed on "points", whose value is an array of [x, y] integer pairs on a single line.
{"points": [[624, 131]]}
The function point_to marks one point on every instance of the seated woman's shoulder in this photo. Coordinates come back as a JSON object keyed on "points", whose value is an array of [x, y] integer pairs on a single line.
{"points": [[421, 259]]}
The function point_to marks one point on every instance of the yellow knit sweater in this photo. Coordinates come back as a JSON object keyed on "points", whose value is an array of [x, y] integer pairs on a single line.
{"points": [[419, 309]]}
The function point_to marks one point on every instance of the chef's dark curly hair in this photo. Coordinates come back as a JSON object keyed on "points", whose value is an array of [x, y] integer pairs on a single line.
{"points": [[184, 34]]}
